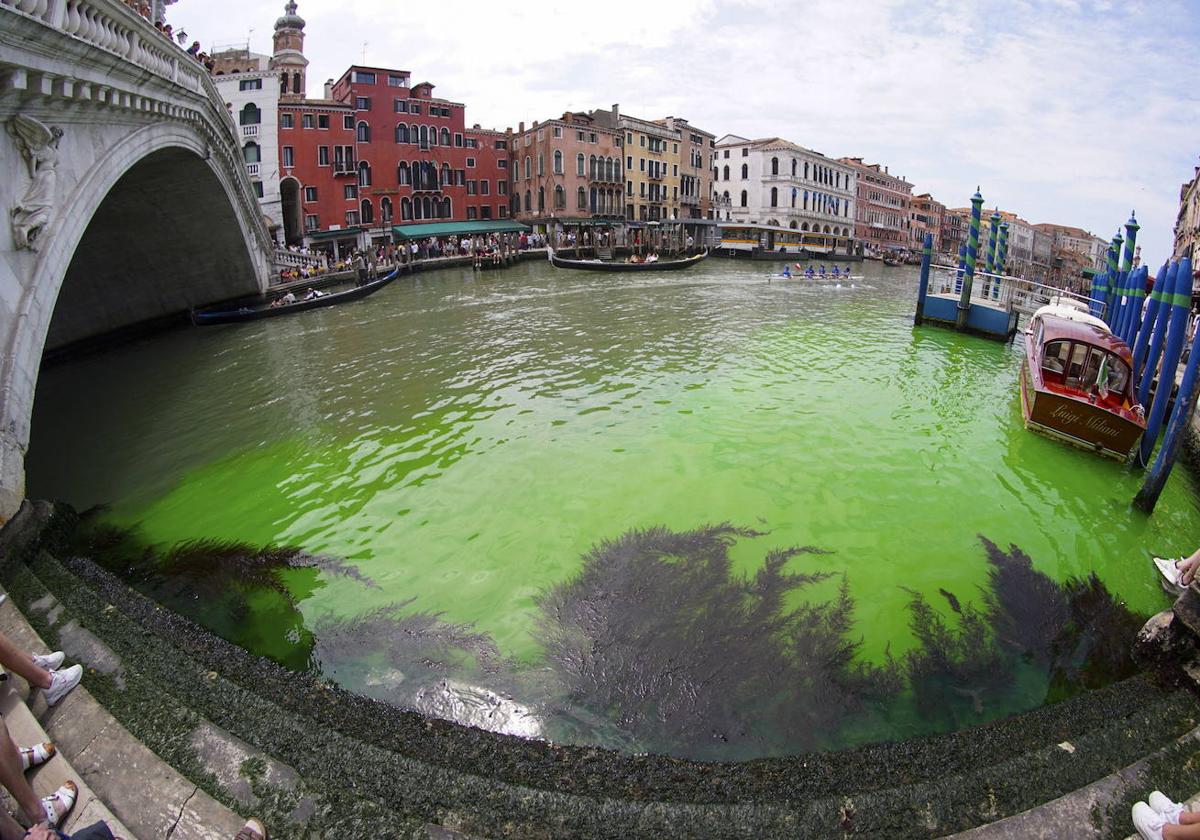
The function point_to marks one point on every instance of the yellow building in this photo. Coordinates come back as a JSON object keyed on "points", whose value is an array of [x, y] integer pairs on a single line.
{"points": [[668, 165], [1187, 223]]}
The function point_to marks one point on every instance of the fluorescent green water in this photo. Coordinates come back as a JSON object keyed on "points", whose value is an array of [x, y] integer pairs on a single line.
{"points": [[463, 440]]}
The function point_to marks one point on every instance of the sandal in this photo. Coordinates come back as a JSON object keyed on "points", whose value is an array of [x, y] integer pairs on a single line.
{"points": [[37, 754], [252, 830], [65, 796]]}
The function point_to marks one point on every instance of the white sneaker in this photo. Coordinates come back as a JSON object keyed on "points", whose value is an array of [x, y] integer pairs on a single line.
{"points": [[1148, 822], [51, 661], [62, 682], [1166, 807]]}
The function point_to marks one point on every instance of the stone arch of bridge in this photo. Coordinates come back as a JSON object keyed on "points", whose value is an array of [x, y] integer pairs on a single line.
{"points": [[150, 230]]}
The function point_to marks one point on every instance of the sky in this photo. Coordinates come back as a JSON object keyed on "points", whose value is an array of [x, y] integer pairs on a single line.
{"points": [[1061, 111]]}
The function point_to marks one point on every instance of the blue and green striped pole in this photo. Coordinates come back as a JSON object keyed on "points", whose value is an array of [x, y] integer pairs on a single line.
{"points": [[926, 256], [1162, 290], [962, 266], [1099, 292], [993, 233], [1149, 317], [1114, 291], [1180, 301], [1001, 255], [1131, 289], [964, 300]]}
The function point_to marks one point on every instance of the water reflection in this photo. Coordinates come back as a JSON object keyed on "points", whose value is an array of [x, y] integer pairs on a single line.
{"points": [[658, 643]]}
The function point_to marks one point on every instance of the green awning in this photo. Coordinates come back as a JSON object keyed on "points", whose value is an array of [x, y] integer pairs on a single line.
{"points": [[335, 234], [459, 228]]}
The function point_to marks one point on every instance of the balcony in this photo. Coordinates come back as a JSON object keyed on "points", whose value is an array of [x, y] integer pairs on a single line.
{"points": [[252, 169], [250, 131], [345, 167], [689, 199], [651, 176]]}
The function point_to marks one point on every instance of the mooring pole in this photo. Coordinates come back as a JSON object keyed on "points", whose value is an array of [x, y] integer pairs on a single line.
{"points": [[1159, 334], [1114, 285], [1149, 318], [1176, 330], [962, 267], [1131, 232], [1001, 257], [1185, 400], [926, 255], [964, 300], [1137, 299]]}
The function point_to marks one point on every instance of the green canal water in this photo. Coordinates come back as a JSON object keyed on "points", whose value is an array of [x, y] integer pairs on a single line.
{"points": [[506, 494]]}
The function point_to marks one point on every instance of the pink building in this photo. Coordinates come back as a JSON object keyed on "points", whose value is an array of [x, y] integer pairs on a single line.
{"points": [[565, 171], [883, 210]]}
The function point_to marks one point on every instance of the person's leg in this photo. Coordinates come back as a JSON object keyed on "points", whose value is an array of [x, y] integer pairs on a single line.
{"points": [[21, 664], [95, 831], [12, 776], [10, 829], [1182, 832]]}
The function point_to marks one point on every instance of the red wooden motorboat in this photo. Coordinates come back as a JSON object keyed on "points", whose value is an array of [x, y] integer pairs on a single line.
{"points": [[1077, 383]]}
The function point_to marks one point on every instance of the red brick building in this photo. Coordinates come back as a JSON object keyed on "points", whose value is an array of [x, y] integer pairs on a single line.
{"points": [[378, 151]]}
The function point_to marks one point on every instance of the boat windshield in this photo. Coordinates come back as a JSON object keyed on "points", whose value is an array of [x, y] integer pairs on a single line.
{"points": [[1084, 367]]}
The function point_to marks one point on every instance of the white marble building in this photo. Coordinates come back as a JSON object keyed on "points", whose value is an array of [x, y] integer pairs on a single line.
{"points": [[774, 181], [251, 92]]}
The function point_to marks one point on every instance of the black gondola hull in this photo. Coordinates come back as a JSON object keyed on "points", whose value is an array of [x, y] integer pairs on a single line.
{"points": [[237, 316], [596, 265]]}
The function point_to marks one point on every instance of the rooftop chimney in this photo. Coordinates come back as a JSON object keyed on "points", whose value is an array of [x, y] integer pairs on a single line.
{"points": [[616, 112], [521, 127], [329, 88]]}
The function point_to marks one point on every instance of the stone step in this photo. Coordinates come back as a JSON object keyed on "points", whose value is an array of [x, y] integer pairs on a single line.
{"points": [[332, 763]]}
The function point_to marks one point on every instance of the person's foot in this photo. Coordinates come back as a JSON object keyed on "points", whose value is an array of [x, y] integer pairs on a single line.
{"points": [[1148, 822], [252, 830], [62, 682], [49, 661], [1166, 807], [37, 754], [58, 804]]}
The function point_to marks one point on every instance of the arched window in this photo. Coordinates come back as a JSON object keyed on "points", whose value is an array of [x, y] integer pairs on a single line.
{"points": [[444, 138], [250, 115], [806, 170], [610, 174], [446, 208], [804, 227], [774, 196], [363, 133], [528, 206], [792, 223], [593, 200], [367, 212], [433, 135], [364, 174], [560, 198], [385, 210], [402, 175], [745, 171], [794, 163], [405, 209], [528, 171], [827, 228], [541, 200], [428, 208], [774, 166], [423, 133], [414, 134], [743, 198], [296, 83], [727, 172], [581, 196], [592, 167], [558, 165], [515, 202], [283, 82], [447, 175], [793, 195], [579, 164], [251, 153], [725, 196], [401, 133]]}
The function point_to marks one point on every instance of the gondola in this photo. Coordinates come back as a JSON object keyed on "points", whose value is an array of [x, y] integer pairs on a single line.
{"points": [[257, 313], [601, 265]]}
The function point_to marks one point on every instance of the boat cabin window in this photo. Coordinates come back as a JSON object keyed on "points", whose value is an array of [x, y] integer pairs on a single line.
{"points": [[1054, 357]]}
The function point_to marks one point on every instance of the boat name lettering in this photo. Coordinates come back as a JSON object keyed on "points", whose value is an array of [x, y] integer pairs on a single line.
{"points": [[1094, 423]]}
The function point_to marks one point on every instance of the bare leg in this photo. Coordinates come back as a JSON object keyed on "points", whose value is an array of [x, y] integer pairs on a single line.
{"points": [[1188, 568], [21, 664], [1189, 817], [1182, 832], [12, 776]]}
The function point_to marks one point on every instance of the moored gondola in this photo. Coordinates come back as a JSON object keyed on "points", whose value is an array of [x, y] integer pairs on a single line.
{"points": [[257, 313], [603, 265]]}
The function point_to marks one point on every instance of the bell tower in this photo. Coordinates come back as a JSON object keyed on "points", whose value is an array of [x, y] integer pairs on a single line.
{"points": [[288, 59]]}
